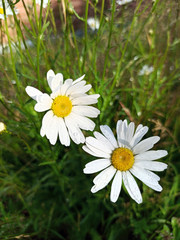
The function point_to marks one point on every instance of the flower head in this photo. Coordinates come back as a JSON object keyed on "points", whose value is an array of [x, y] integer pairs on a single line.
{"points": [[146, 70], [7, 7], [67, 107], [45, 2], [93, 23], [122, 158]]}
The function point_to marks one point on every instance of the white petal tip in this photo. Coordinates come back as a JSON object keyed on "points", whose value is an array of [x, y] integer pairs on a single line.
{"points": [[165, 153], [113, 199], [67, 144], [94, 189], [50, 73], [52, 143], [84, 170]]}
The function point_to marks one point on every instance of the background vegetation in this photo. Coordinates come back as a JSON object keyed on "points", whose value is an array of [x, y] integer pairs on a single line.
{"points": [[43, 191]]}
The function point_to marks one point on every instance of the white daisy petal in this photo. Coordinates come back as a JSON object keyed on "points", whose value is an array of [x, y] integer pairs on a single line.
{"points": [[151, 165], [83, 122], [132, 187], [44, 103], [118, 131], [146, 172], [124, 130], [41, 107], [98, 152], [103, 178], [74, 131], [57, 82], [50, 76], [116, 186], [157, 187], [77, 95], [63, 133], [75, 88], [95, 154], [106, 173], [138, 128], [44, 99], [98, 144], [130, 132], [121, 129], [96, 165], [45, 122], [87, 100], [109, 135], [148, 178], [152, 174], [81, 91], [65, 86], [104, 140], [151, 155], [79, 79], [138, 136], [33, 92], [53, 133], [87, 111], [143, 175], [145, 145]]}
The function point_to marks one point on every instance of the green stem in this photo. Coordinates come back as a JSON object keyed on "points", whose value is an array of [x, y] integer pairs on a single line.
{"points": [[85, 35], [76, 46], [102, 12], [107, 100], [109, 40], [11, 54]]}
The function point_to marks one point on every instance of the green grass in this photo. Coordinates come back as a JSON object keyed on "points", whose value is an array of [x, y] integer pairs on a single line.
{"points": [[44, 193]]}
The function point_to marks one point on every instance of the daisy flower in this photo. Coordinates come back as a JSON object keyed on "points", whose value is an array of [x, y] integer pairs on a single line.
{"points": [[146, 70], [45, 3], [7, 7], [122, 158], [67, 108], [93, 23]]}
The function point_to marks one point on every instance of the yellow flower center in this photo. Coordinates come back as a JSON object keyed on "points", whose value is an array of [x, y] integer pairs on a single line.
{"points": [[1, 11], [122, 159], [61, 106]]}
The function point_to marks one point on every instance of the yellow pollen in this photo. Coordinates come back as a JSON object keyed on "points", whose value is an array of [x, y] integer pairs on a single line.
{"points": [[122, 159], [61, 106], [1, 11]]}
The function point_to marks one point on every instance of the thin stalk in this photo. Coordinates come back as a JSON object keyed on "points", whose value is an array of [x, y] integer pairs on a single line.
{"points": [[38, 24], [109, 40], [76, 46], [85, 35], [11, 54], [102, 11], [121, 59], [2, 43], [29, 58], [29, 17]]}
